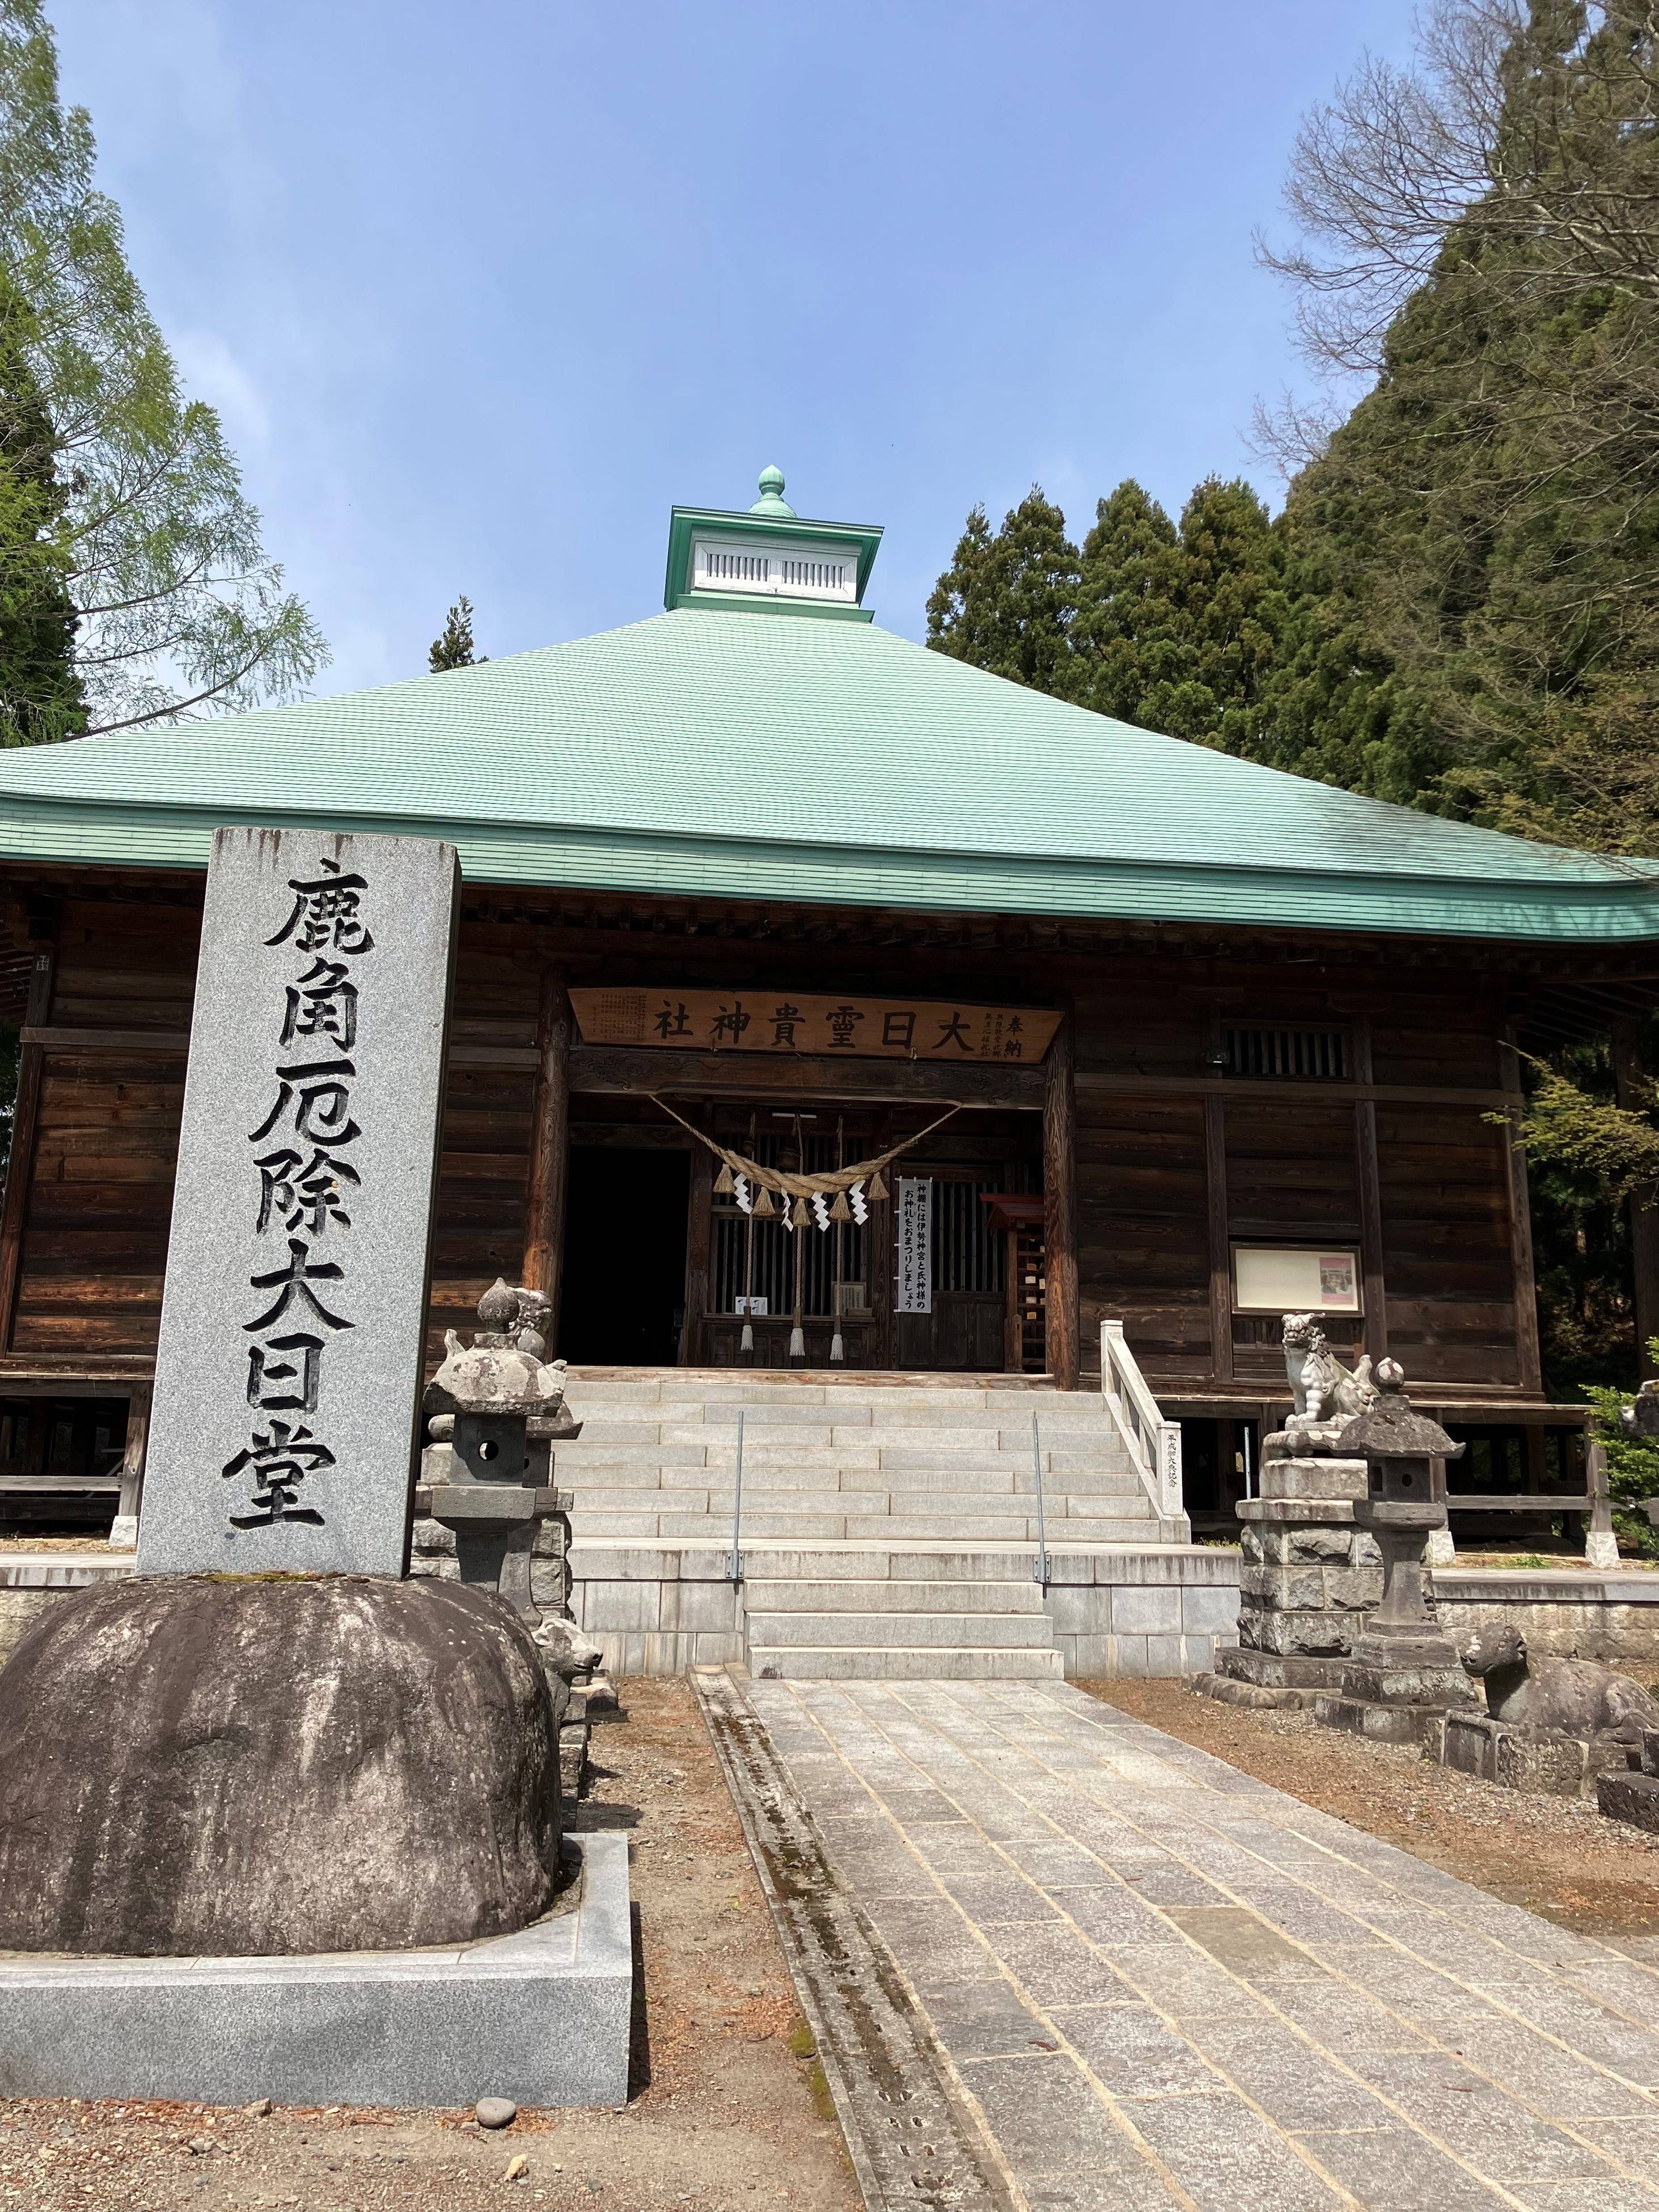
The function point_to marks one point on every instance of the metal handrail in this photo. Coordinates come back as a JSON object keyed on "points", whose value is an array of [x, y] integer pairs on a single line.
{"points": [[734, 1565], [1152, 1443], [1040, 1564]]}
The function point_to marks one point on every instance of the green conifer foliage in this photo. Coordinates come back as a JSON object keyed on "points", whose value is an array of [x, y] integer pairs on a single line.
{"points": [[39, 694], [1007, 601], [452, 648], [1173, 630], [1129, 639], [1477, 548], [1232, 591]]}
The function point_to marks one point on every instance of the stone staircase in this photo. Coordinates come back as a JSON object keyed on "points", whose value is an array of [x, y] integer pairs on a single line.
{"points": [[889, 1523], [961, 1624], [833, 1458]]}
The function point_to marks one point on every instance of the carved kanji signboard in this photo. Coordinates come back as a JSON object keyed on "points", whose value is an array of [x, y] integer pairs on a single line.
{"points": [[289, 1361], [787, 1022]]}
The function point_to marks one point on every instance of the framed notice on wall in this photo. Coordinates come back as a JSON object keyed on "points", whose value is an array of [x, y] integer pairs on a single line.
{"points": [[1291, 1278], [915, 1225]]}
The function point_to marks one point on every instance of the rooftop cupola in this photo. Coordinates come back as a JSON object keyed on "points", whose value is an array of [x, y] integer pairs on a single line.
{"points": [[769, 560]]}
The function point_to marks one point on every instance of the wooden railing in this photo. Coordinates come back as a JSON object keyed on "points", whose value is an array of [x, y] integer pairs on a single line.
{"points": [[1593, 1501], [1153, 1443]]}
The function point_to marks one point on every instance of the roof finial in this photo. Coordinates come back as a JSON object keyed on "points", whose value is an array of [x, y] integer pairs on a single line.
{"points": [[771, 500]]}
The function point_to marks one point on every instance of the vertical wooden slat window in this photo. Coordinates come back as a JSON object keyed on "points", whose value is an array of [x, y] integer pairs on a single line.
{"points": [[1312, 1055], [774, 1276], [968, 1254]]}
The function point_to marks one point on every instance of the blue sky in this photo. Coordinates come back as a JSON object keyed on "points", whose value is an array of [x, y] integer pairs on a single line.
{"points": [[481, 291]]}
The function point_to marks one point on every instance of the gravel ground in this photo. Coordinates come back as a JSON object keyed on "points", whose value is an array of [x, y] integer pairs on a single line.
{"points": [[1558, 1856], [729, 2109]]}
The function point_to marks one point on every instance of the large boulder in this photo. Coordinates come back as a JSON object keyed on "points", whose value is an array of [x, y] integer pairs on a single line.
{"points": [[206, 1766]]}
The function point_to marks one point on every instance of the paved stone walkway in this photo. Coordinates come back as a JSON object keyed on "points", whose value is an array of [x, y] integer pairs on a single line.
{"points": [[1166, 1983]]}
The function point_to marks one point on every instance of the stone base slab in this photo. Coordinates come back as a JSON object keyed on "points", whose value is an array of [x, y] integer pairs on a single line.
{"points": [[1400, 1682], [1543, 1761], [541, 2017], [1631, 1797], [1256, 1696], [1383, 1723], [1281, 1670]]}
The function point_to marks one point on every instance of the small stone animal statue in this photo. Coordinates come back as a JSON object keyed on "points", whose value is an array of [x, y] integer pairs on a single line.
{"points": [[564, 1649], [1582, 1697], [1323, 1388]]}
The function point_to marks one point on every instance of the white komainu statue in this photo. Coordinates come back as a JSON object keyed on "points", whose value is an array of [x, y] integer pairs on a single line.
{"points": [[1323, 1389]]}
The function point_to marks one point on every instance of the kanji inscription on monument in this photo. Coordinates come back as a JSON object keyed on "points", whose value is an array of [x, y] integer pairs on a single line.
{"points": [[288, 1369]]}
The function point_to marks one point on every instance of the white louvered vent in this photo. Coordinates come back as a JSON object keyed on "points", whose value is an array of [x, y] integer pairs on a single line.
{"points": [[783, 571]]}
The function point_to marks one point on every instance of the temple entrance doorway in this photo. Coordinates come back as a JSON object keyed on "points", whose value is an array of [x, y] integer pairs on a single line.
{"points": [[622, 1301], [956, 1302]]}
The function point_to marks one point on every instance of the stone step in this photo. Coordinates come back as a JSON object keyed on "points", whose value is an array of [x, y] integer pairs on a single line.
{"points": [[899, 1529], [634, 1468], [861, 1594], [920, 1424], [907, 1631], [579, 1462], [837, 1662], [971, 1506], [683, 1386], [1101, 1491], [773, 1561]]}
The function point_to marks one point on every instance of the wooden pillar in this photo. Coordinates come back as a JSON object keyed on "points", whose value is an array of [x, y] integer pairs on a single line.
{"points": [[1369, 1177], [133, 1459], [1221, 1256], [30, 1067], [1632, 1094], [699, 1245], [881, 1255], [1014, 1352], [1060, 1210], [550, 1152], [1515, 1171]]}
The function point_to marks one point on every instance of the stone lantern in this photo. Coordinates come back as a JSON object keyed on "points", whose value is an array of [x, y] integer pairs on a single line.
{"points": [[493, 1413], [1404, 1672]]}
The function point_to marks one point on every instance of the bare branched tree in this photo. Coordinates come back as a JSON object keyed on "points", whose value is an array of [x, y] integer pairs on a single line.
{"points": [[1528, 135]]}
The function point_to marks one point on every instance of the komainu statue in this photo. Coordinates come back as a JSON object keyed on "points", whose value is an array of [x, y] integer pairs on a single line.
{"points": [[1585, 1698], [1323, 1388]]}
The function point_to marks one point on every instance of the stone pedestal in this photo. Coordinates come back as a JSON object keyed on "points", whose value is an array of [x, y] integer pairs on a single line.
{"points": [[1399, 1692], [1310, 1575], [1544, 1762], [1631, 1796]]}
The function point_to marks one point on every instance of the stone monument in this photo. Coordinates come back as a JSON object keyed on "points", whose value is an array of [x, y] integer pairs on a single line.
{"points": [[291, 1352], [269, 1741]]}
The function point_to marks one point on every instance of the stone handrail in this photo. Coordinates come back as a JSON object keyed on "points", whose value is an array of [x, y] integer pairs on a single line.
{"points": [[1153, 1443]]}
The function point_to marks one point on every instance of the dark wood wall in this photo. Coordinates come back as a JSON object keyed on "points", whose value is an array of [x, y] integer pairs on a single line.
{"points": [[1172, 1159], [1176, 1161]]}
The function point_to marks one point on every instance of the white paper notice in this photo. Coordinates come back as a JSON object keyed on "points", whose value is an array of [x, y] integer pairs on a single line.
{"points": [[915, 1245]]}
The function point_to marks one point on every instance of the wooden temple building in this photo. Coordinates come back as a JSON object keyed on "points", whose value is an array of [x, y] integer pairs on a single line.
{"points": [[1191, 1040]]}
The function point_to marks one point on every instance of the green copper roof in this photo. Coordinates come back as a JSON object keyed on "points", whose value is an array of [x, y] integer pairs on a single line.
{"points": [[735, 757]]}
